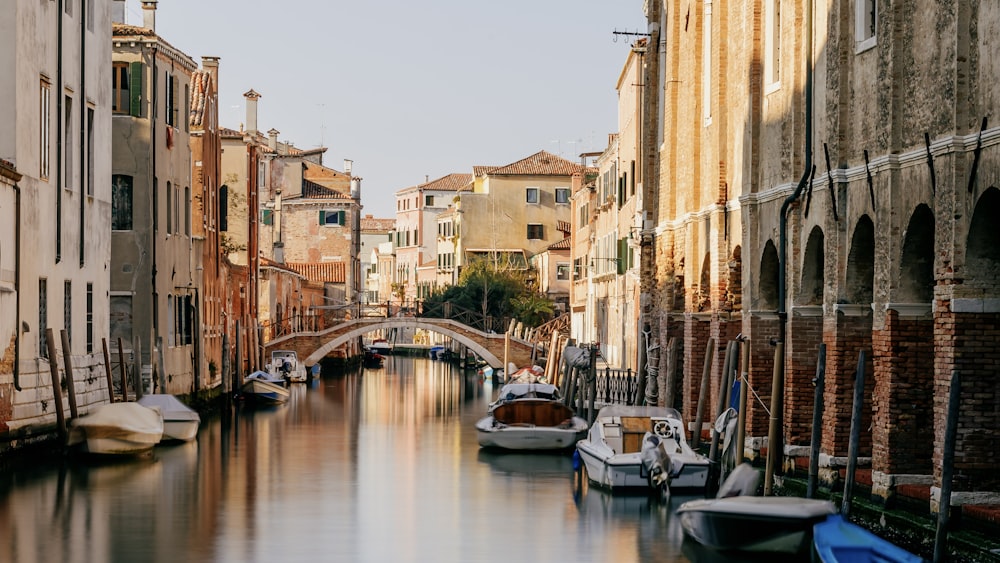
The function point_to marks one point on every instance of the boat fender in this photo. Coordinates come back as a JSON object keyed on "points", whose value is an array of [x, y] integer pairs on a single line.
{"points": [[576, 460]]}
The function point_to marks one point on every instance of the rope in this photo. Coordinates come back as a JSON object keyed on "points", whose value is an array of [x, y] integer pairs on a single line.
{"points": [[743, 379]]}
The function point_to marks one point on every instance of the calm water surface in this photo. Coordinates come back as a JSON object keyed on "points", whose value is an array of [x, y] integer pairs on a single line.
{"points": [[377, 466]]}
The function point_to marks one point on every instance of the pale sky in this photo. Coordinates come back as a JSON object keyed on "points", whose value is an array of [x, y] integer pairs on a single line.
{"points": [[413, 90]]}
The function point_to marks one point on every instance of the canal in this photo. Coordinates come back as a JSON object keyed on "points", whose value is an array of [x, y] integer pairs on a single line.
{"points": [[377, 466]]}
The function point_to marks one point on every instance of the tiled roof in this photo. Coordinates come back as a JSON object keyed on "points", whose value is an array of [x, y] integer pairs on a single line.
{"points": [[201, 82], [451, 182], [541, 163], [312, 190], [478, 171], [370, 223], [429, 264], [329, 272], [268, 263], [124, 29], [564, 244]]}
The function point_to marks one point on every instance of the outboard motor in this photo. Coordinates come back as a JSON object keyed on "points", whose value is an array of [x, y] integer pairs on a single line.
{"points": [[656, 464]]}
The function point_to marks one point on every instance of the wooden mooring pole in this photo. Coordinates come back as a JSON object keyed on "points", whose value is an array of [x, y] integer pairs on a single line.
{"points": [[50, 344], [706, 373], [107, 371], [855, 438], [817, 428], [68, 366], [947, 469]]}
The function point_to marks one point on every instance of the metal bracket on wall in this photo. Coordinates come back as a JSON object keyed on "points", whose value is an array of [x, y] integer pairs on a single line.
{"points": [[975, 159], [930, 162], [829, 178], [868, 172]]}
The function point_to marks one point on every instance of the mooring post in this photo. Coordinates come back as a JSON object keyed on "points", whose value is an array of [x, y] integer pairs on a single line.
{"points": [[107, 371], [852, 448], [121, 369], [68, 366], [741, 421], [706, 373], [817, 429], [50, 344], [947, 469]]}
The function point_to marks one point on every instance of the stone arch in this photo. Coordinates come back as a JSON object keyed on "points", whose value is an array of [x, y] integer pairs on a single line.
{"points": [[445, 327], [860, 286], [733, 297], [982, 249], [916, 268], [811, 288], [768, 276], [704, 302]]}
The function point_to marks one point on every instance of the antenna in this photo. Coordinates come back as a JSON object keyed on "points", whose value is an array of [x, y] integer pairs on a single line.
{"points": [[627, 33]]}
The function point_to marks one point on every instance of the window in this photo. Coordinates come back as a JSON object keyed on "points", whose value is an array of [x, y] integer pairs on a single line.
{"points": [[171, 100], [44, 128], [267, 217], [172, 327], [562, 271], [331, 218], [706, 65], [90, 15], [90, 147], [121, 202], [68, 309], [68, 143], [535, 231], [170, 207], [865, 21], [187, 211], [562, 195], [428, 201], [90, 317], [261, 176], [177, 209], [531, 195], [119, 88], [43, 325], [224, 208], [772, 43]]}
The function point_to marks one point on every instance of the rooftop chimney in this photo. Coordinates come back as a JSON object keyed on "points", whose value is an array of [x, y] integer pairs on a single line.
{"points": [[272, 139], [118, 11], [149, 14], [347, 166], [252, 98]]}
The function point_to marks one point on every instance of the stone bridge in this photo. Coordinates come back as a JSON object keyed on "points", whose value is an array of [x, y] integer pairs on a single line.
{"points": [[311, 347]]}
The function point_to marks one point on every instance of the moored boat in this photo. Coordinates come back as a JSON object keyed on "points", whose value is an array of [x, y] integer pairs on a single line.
{"points": [[380, 346], [836, 540], [286, 366], [530, 416], [612, 449], [180, 422], [261, 387], [117, 429]]}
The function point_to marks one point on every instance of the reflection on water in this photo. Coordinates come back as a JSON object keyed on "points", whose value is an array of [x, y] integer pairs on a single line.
{"points": [[382, 465]]}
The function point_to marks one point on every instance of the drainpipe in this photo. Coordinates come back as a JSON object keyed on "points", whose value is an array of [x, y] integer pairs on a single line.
{"points": [[774, 431], [153, 227], [17, 282], [83, 125], [59, 128]]}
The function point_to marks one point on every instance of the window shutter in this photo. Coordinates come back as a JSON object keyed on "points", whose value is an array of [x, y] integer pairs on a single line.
{"points": [[267, 217], [135, 89], [340, 218], [322, 217], [622, 255]]}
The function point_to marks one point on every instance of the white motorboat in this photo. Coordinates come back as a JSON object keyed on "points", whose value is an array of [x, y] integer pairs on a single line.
{"points": [[530, 416], [739, 521], [285, 364], [117, 429], [380, 346], [180, 422], [261, 387], [612, 450]]}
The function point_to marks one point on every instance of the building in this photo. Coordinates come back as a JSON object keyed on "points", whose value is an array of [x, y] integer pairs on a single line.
{"points": [[154, 270], [417, 208], [374, 232], [846, 152], [55, 205]]}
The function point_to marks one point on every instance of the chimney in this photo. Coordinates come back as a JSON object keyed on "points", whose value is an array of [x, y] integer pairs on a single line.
{"points": [[356, 188], [211, 64], [272, 139], [252, 98], [118, 11], [347, 166], [149, 14]]}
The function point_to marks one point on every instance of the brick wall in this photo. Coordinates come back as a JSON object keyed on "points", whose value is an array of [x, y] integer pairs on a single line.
{"points": [[801, 350], [902, 403], [850, 335], [762, 330], [696, 335]]}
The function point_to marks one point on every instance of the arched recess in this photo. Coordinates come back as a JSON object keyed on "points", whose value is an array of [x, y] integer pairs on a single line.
{"points": [[982, 254], [811, 290], [860, 287], [733, 297], [916, 267], [704, 302], [768, 276], [679, 288]]}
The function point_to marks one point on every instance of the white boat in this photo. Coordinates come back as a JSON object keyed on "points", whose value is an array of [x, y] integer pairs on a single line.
{"points": [[739, 521], [380, 346], [117, 429], [530, 416], [612, 450], [261, 387], [285, 364], [180, 422]]}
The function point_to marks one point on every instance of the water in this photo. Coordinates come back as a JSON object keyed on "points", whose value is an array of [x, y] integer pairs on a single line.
{"points": [[381, 466]]}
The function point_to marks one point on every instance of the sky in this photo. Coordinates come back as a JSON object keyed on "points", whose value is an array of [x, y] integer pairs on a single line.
{"points": [[411, 91]]}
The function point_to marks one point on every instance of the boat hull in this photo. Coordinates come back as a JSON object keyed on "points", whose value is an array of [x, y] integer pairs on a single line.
{"points": [[835, 540], [118, 429], [180, 430], [180, 422], [754, 524], [264, 393], [529, 437]]}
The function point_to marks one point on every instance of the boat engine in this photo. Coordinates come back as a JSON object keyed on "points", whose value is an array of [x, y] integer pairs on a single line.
{"points": [[656, 463]]}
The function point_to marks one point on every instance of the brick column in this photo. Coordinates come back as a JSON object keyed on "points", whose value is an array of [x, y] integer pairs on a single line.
{"points": [[764, 327], [805, 332], [697, 330], [851, 333], [903, 400]]}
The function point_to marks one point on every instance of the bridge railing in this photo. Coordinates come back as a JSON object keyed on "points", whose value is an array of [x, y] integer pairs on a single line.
{"points": [[617, 386]]}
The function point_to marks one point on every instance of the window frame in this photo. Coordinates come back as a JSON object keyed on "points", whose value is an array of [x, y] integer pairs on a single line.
{"points": [[536, 229], [528, 195], [866, 16], [562, 196]]}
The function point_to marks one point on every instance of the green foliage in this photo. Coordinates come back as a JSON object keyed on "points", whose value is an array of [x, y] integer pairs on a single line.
{"points": [[497, 291]]}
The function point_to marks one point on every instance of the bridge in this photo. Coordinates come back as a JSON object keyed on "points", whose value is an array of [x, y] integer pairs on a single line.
{"points": [[311, 347]]}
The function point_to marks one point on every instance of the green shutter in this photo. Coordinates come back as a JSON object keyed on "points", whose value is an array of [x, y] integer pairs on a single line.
{"points": [[322, 217], [266, 217], [340, 218], [622, 255], [135, 89]]}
